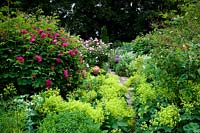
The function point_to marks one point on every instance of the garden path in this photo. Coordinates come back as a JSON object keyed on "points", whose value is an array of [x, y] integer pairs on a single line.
{"points": [[129, 95]]}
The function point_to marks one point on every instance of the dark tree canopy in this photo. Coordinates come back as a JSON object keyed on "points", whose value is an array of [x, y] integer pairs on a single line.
{"points": [[123, 19]]}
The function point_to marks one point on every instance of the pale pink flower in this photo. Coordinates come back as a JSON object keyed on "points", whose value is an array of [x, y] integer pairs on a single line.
{"points": [[54, 41]]}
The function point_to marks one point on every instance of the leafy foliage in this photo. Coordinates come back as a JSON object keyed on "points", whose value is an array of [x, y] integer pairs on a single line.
{"points": [[12, 121], [122, 67], [167, 83], [124, 20], [17, 115], [163, 65], [69, 121], [192, 127], [167, 117], [37, 54], [109, 97], [8, 92], [140, 45]]}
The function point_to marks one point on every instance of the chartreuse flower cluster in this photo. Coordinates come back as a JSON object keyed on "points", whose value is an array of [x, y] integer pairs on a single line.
{"points": [[105, 104], [108, 94], [168, 116], [117, 107], [8, 91], [68, 122], [111, 88]]}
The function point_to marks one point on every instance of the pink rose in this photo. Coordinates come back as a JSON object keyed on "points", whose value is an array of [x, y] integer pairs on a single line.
{"points": [[40, 31], [58, 60], [71, 52], [66, 74], [32, 40], [54, 41], [20, 58], [48, 83], [57, 34], [65, 44], [43, 35], [24, 31], [38, 58], [63, 39]]}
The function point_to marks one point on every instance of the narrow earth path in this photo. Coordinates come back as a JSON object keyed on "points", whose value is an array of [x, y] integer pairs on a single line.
{"points": [[122, 80]]}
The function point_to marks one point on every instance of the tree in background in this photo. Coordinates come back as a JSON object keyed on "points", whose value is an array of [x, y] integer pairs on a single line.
{"points": [[124, 20]]}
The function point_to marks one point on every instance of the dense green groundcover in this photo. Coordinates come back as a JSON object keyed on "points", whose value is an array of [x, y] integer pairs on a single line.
{"points": [[167, 80], [97, 106], [68, 122], [47, 85]]}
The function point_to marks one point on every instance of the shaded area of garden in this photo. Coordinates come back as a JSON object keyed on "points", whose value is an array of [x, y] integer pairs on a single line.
{"points": [[52, 81]]}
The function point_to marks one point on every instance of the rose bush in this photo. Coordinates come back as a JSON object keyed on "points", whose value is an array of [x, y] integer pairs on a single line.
{"points": [[36, 54]]}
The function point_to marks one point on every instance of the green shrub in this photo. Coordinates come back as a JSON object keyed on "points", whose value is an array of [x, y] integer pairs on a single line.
{"points": [[14, 115], [116, 44], [166, 94], [141, 45], [118, 115], [92, 82], [101, 86], [101, 98], [150, 97], [117, 108], [12, 121], [50, 102], [123, 68], [111, 88], [167, 117], [108, 98], [68, 122], [36, 54], [104, 34], [8, 92], [95, 113], [84, 95]]}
